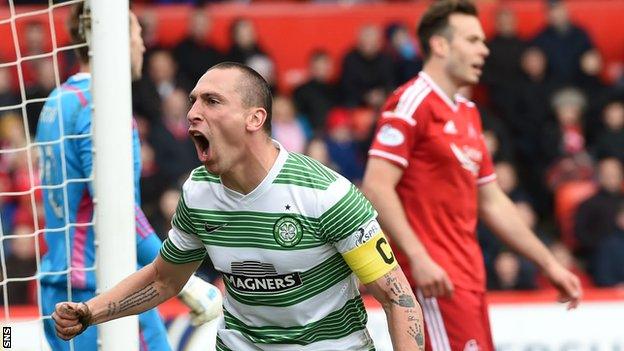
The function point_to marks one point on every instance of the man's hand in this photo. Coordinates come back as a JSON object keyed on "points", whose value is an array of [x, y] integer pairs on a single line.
{"points": [[568, 285], [71, 319], [431, 278], [203, 298]]}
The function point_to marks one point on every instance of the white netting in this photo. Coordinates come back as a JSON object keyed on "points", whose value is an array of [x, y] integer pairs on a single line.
{"points": [[34, 59]]}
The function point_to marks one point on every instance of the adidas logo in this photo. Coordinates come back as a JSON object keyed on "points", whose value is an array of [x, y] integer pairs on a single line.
{"points": [[449, 128]]}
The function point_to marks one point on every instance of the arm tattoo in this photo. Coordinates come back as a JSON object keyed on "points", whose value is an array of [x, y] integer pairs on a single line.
{"points": [[137, 298], [400, 295], [415, 331]]}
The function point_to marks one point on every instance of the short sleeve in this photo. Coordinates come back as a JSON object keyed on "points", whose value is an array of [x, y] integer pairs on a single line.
{"points": [[397, 131], [344, 218], [181, 247]]}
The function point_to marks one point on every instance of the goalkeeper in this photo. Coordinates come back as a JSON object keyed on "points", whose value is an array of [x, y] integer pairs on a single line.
{"points": [[68, 113]]}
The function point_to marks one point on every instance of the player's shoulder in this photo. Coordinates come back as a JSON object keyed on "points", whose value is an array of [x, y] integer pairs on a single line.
{"points": [[303, 171], [409, 101]]}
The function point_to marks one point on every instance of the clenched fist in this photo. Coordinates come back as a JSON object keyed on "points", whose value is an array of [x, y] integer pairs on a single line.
{"points": [[71, 319]]}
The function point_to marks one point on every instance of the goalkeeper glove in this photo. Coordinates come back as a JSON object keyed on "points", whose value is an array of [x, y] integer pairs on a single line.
{"points": [[203, 298]]}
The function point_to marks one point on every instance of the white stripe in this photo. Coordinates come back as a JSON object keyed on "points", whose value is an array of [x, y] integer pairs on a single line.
{"points": [[391, 114], [438, 90], [438, 315], [486, 179], [423, 94], [434, 338], [384, 154], [408, 95]]}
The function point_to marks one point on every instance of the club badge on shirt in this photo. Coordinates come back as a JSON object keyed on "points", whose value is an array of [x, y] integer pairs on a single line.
{"points": [[390, 136]]}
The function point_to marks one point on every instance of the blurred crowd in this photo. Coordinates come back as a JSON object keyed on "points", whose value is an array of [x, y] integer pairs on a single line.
{"points": [[555, 129]]}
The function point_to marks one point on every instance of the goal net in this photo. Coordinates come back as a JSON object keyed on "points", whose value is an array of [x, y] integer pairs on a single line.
{"points": [[36, 58]]}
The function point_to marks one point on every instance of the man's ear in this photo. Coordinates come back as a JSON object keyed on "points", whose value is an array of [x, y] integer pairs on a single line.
{"points": [[439, 45], [256, 119]]}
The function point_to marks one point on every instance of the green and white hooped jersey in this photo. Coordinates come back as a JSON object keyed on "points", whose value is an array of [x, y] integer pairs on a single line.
{"points": [[279, 250]]}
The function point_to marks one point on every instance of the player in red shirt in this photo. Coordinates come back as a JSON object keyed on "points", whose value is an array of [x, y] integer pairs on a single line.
{"points": [[430, 176]]}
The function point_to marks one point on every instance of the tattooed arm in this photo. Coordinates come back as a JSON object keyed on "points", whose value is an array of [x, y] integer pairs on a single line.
{"points": [[405, 319], [139, 292]]}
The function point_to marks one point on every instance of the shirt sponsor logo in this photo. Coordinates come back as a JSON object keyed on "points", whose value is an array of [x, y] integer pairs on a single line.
{"points": [[367, 231], [390, 136], [468, 157], [258, 277]]}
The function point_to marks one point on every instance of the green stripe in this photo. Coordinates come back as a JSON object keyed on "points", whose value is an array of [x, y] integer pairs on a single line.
{"points": [[315, 281], [306, 172], [338, 324], [182, 219], [221, 346], [244, 228], [200, 174], [346, 216], [172, 254]]}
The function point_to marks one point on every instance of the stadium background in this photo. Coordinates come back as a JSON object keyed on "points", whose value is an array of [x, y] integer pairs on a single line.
{"points": [[554, 122]]}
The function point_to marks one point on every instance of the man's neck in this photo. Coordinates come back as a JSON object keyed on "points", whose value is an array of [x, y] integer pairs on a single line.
{"points": [[439, 76], [254, 166]]}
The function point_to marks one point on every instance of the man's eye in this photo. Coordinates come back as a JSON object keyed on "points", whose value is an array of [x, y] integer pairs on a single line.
{"points": [[213, 101]]}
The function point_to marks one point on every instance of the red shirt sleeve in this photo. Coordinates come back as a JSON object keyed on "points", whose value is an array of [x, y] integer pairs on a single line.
{"points": [[395, 134]]}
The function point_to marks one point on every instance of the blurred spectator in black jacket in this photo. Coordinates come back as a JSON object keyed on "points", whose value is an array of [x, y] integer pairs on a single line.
{"points": [[244, 41], [367, 72], [502, 72], [403, 50], [563, 42], [610, 141], [155, 86], [174, 149], [194, 54], [595, 216], [609, 261], [319, 93], [596, 91]]}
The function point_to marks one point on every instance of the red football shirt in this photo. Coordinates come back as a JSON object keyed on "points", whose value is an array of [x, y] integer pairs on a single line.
{"points": [[440, 146]]}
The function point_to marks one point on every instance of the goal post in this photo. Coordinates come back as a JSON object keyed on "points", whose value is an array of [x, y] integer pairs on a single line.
{"points": [[113, 163]]}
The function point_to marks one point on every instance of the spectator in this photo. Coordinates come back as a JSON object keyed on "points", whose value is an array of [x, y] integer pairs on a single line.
{"points": [[244, 41], [21, 263], [564, 146], [610, 142], [563, 42], [402, 48], [343, 150], [367, 72], [564, 256], [595, 216], [502, 72], [291, 131], [193, 54], [44, 82], [589, 81], [609, 261], [171, 141], [160, 81], [7, 97], [318, 94]]}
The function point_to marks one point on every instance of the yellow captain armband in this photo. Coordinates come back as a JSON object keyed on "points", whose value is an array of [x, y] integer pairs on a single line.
{"points": [[371, 260]]}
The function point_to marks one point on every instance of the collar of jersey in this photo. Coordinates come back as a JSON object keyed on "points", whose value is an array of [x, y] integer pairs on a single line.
{"points": [[436, 88], [80, 76], [265, 184]]}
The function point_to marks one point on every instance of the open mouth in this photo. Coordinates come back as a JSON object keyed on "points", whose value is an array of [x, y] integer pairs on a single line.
{"points": [[201, 144]]}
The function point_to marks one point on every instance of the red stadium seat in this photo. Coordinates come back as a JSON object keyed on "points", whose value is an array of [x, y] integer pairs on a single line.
{"points": [[567, 198]]}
